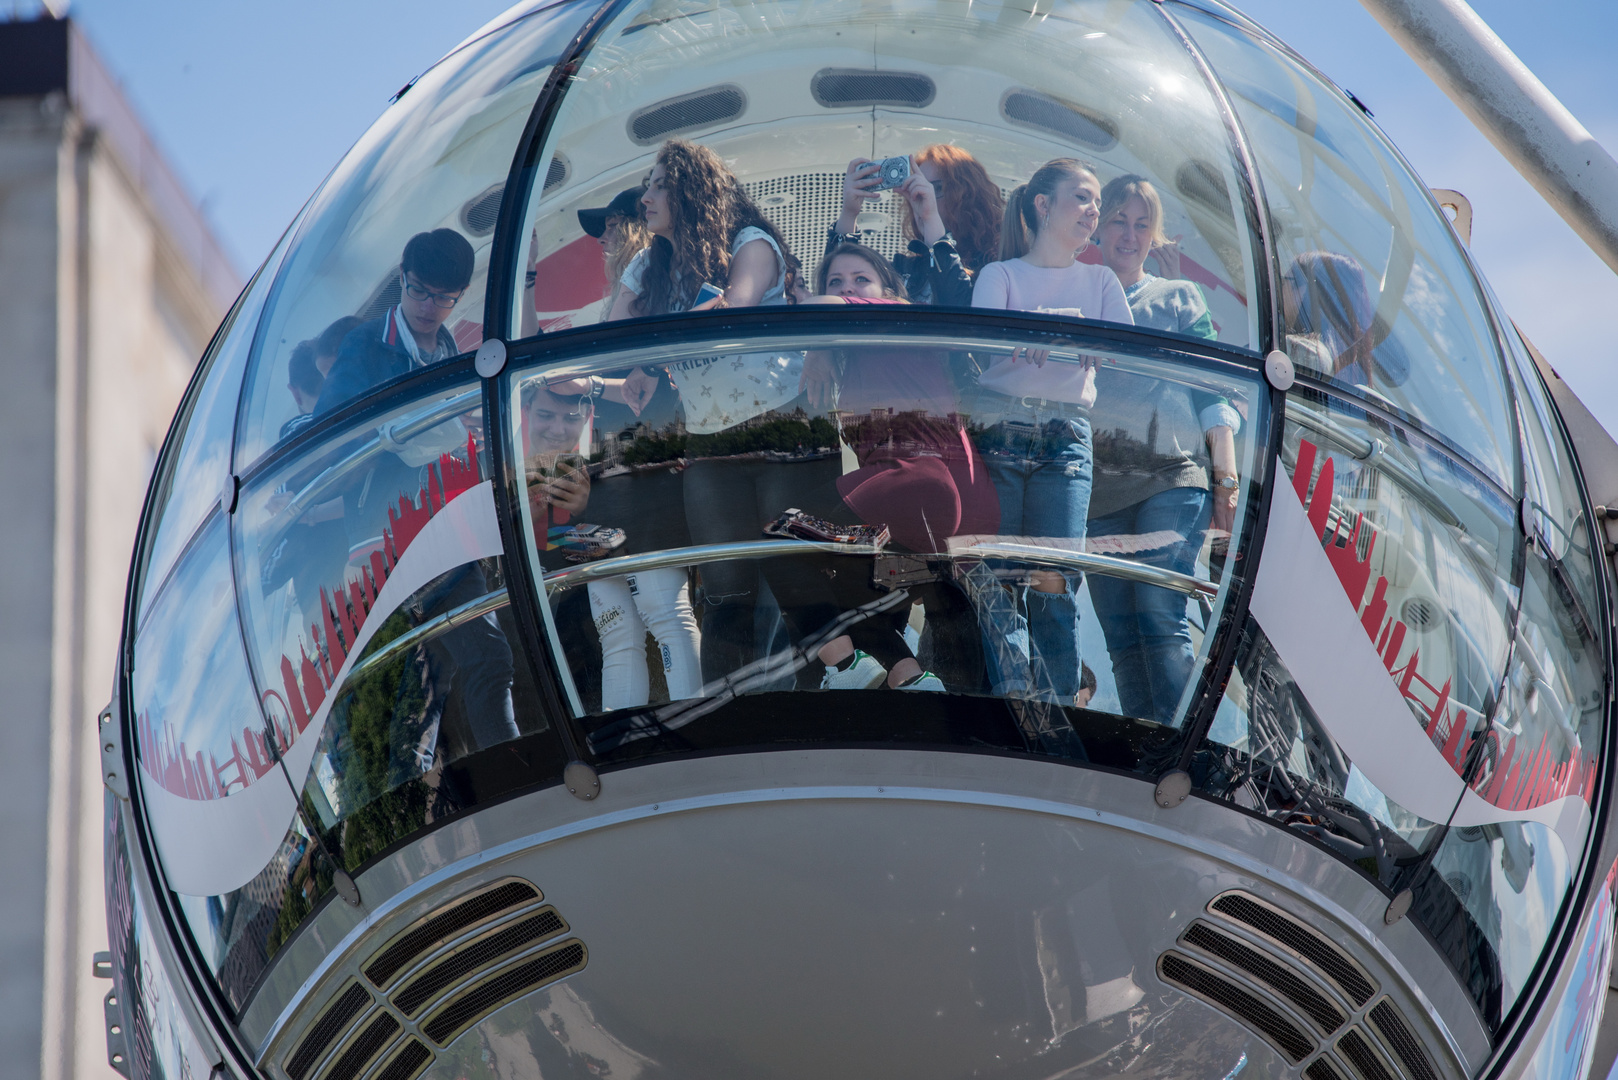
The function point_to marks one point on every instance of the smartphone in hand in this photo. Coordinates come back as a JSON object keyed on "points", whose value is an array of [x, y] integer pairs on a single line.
{"points": [[708, 291]]}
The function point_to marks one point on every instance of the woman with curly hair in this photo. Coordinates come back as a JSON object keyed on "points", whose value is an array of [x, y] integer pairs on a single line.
{"points": [[952, 213]]}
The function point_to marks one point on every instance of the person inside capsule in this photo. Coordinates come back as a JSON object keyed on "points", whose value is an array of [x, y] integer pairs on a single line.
{"points": [[1032, 423], [622, 234], [952, 213], [1332, 325], [1150, 501], [434, 272], [624, 608], [918, 473]]}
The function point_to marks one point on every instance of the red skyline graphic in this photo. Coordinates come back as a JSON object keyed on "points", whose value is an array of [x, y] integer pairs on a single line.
{"points": [[1520, 779], [305, 682]]}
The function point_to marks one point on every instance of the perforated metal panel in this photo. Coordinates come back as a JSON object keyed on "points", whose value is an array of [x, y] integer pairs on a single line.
{"points": [[1364, 1061], [480, 213], [333, 1022], [1306, 998], [804, 206], [430, 932], [480, 953], [1397, 1036], [505, 986]]}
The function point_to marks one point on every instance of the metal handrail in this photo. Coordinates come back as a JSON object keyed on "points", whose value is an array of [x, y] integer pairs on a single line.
{"points": [[439, 624], [1106, 565], [1364, 449], [387, 437]]}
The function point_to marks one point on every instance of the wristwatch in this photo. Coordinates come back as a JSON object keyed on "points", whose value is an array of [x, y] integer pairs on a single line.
{"points": [[1229, 483]]}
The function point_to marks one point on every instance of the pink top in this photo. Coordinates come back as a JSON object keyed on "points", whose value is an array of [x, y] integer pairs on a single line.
{"points": [[1080, 289]]}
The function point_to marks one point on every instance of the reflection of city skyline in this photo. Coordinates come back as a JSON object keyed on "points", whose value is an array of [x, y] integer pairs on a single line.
{"points": [[213, 773]]}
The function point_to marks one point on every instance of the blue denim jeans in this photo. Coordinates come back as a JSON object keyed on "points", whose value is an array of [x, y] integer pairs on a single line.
{"points": [[1042, 472], [1147, 631]]}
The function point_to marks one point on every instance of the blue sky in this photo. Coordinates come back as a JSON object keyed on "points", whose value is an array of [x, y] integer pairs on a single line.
{"points": [[254, 103]]}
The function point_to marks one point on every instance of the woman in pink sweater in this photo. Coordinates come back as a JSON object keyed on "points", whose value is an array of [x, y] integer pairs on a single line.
{"points": [[1032, 421]]}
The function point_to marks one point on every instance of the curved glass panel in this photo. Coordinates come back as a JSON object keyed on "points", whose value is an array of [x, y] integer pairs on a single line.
{"points": [[787, 93], [858, 510], [1539, 756], [194, 480], [438, 159], [1376, 293]]}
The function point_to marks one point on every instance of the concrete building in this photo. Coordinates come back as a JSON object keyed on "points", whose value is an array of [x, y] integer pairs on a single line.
{"points": [[110, 285]]}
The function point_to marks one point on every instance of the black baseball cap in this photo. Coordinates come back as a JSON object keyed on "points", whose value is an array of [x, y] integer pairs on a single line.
{"points": [[624, 204]]}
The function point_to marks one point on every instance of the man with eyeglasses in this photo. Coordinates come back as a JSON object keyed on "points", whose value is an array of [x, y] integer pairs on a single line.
{"points": [[434, 273]]}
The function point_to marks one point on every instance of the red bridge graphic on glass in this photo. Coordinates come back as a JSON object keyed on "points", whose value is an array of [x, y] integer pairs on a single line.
{"points": [[1522, 777], [306, 680]]}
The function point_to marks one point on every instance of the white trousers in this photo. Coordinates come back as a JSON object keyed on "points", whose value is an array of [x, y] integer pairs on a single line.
{"points": [[625, 608]]}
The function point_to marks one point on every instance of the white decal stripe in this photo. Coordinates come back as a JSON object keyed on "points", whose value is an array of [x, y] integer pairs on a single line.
{"points": [[211, 847], [1300, 603]]}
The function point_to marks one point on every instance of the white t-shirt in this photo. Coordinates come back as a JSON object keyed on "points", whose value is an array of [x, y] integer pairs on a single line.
{"points": [[721, 391], [635, 273], [1079, 289]]}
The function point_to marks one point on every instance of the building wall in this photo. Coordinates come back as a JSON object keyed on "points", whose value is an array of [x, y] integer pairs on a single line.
{"points": [[103, 315]]}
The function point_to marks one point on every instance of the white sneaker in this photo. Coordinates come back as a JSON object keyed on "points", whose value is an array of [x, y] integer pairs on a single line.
{"points": [[863, 674], [925, 681]]}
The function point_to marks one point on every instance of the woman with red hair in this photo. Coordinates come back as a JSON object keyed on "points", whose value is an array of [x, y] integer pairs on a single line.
{"points": [[952, 213]]}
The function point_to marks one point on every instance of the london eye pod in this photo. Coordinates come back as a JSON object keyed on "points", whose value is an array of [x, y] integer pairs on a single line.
{"points": [[1195, 663]]}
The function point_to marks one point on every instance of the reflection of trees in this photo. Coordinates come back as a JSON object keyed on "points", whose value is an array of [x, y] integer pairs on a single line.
{"points": [[791, 434]]}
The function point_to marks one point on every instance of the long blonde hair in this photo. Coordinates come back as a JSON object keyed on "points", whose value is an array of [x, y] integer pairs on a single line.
{"points": [[636, 238], [1021, 224]]}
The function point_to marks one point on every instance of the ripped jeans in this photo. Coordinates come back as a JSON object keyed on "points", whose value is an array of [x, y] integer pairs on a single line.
{"points": [[1042, 468]]}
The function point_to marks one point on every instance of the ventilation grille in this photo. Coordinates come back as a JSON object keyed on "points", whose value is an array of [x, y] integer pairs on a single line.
{"points": [[688, 112], [370, 1042], [1293, 935], [476, 955], [1363, 1059], [333, 1022], [837, 88], [1074, 123], [556, 172], [434, 930], [1229, 997], [479, 214], [1311, 1002], [409, 1062], [1322, 1069], [504, 987], [382, 298], [1396, 1035], [1202, 182], [448, 960]]}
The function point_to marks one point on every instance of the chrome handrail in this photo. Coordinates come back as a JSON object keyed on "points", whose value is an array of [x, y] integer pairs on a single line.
{"points": [[387, 437], [1363, 449], [439, 624], [1106, 565], [569, 576]]}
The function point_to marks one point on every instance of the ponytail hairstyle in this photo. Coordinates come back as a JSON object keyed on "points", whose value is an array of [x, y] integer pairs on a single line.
{"points": [[1119, 190], [969, 203], [893, 286], [1022, 221]]}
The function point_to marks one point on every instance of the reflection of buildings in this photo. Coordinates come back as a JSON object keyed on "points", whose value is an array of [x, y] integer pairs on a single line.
{"points": [[110, 285]]}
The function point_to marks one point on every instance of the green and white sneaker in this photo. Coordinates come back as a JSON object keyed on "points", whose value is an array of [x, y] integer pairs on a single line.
{"points": [[862, 672], [925, 681]]}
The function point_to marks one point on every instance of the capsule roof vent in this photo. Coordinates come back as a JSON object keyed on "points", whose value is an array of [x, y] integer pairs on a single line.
{"points": [[503, 987], [1309, 1001], [324, 1031], [1065, 120], [841, 88], [1200, 181], [1366, 1063], [476, 955], [480, 212], [688, 112], [432, 931], [556, 172]]}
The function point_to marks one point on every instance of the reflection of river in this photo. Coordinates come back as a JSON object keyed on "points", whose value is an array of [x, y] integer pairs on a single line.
{"points": [[648, 504]]}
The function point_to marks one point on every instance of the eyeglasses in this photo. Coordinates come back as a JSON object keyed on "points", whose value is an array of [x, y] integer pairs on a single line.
{"points": [[441, 300]]}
